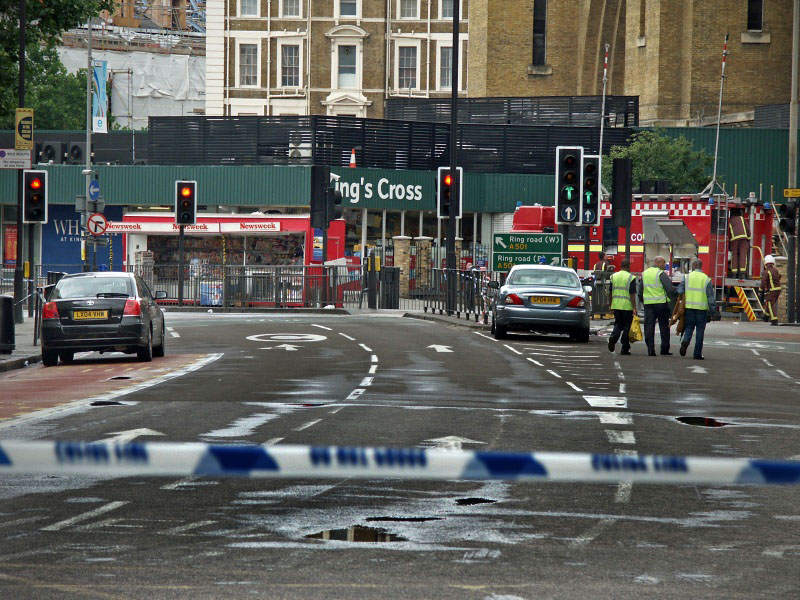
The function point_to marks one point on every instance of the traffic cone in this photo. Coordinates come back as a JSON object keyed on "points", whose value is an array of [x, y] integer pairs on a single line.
{"points": [[353, 159]]}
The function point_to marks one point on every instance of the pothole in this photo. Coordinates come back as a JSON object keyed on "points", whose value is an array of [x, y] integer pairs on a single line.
{"points": [[701, 421], [473, 501], [106, 403], [357, 533], [403, 519]]}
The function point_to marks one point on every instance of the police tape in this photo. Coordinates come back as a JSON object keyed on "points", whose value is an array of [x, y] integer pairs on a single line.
{"points": [[172, 459]]}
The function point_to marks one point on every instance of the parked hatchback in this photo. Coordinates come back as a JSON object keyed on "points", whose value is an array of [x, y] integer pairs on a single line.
{"points": [[102, 312], [541, 298]]}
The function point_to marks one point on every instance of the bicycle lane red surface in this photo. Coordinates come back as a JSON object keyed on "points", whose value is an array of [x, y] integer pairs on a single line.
{"points": [[35, 388]]}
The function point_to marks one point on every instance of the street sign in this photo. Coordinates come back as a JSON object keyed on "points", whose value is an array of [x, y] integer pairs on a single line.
{"points": [[94, 190], [15, 159], [96, 224], [23, 129], [97, 241], [791, 192], [509, 249]]}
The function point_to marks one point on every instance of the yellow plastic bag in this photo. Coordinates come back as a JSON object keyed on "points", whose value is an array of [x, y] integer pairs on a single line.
{"points": [[635, 333]]}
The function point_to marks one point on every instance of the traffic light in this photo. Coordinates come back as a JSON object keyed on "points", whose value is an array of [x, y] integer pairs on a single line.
{"points": [[788, 213], [320, 182], [333, 208], [448, 205], [569, 160], [185, 202], [34, 197], [590, 196]]}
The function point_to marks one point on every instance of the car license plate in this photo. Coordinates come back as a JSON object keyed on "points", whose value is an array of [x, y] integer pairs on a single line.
{"points": [[84, 315], [545, 300]]}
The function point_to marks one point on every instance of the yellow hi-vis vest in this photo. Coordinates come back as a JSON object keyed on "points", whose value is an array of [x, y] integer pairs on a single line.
{"points": [[620, 291], [652, 290], [695, 287]]}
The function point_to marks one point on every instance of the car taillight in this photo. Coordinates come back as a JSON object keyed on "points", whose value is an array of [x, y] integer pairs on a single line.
{"points": [[132, 308], [50, 311], [514, 299], [576, 302]]}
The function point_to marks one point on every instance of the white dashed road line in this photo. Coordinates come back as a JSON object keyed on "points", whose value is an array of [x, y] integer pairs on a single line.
{"points": [[344, 335], [172, 332]]}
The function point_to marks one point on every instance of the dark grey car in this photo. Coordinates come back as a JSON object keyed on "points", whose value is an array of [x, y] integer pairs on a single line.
{"points": [[102, 312], [541, 298]]}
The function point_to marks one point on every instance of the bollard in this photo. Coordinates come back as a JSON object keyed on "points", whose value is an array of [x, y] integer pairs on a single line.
{"points": [[7, 335]]}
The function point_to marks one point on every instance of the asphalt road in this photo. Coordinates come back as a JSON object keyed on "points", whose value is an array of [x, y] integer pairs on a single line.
{"points": [[382, 381]]}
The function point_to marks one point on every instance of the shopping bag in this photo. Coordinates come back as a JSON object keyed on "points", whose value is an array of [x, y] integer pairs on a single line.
{"points": [[635, 333]]}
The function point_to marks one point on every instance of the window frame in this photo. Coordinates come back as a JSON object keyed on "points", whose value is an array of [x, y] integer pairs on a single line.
{"points": [[238, 75], [416, 44], [460, 11], [760, 18], [282, 10], [543, 35], [356, 83], [439, 49], [337, 10], [297, 42], [243, 16], [399, 11]]}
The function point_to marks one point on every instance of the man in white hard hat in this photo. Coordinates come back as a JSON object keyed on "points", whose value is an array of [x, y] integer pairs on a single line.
{"points": [[771, 285]]}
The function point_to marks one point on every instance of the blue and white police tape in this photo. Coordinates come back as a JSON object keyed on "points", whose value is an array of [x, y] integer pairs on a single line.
{"points": [[196, 459]]}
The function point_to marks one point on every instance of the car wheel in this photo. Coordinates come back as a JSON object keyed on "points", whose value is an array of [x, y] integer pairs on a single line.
{"points": [[158, 351], [145, 353], [67, 356], [581, 335], [49, 358], [500, 332]]}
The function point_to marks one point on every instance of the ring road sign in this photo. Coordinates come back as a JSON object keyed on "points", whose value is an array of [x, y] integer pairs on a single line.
{"points": [[96, 224], [509, 249]]}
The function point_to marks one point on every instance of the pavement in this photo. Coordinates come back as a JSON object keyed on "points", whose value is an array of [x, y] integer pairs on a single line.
{"points": [[25, 352]]}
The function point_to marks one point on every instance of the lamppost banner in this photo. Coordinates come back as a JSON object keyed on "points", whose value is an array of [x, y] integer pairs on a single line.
{"points": [[99, 99]]}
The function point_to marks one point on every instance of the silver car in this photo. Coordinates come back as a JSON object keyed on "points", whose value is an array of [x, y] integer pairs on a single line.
{"points": [[543, 299]]}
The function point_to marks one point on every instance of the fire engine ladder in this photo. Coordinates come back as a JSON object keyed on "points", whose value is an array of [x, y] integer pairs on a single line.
{"points": [[750, 302], [721, 247]]}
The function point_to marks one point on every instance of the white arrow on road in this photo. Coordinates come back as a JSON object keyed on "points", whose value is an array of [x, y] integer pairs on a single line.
{"points": [[452, 442], [287, 347], [439, 348], [499, 242], [124, 437], [697, 369]]}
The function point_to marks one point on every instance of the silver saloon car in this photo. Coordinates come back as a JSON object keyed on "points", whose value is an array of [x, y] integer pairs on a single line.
{"points": [[541, 298], [103, 312]]}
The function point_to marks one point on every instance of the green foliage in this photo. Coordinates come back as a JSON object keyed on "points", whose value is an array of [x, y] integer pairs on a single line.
{"points": [[46, 20], [658, 156]]}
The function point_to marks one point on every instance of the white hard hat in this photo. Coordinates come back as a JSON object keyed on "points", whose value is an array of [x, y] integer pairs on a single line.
{"points": [[769, 259]]}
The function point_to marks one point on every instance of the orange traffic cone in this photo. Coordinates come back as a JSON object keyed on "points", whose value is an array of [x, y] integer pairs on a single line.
{"points": [[353, 158]]}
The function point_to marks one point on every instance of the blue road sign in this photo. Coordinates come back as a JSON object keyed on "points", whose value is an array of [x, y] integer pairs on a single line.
{"points": [[94, 190], [568, 214], [588, 216]]}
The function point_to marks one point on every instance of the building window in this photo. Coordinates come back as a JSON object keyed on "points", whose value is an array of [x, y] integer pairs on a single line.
{"points": [[407, 67], [290, 66], [447, 9], [290, 8], [248, 64], [446, 68], [348, 8], [408, 9], [642, 17], [347, 67], [248, 8], [755, 15], [539, 32]]}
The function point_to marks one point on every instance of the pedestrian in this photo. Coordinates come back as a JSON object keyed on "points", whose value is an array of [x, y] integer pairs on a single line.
{"points": [[739, 236], [700, 304], [623, 302], [655, 292], [602, 263], [771, 286]]}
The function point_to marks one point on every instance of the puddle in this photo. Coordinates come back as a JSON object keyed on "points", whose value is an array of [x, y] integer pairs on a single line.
{"points": [[106, 403], [357, 534], [473, 501], [701, 421], [403, 519]]}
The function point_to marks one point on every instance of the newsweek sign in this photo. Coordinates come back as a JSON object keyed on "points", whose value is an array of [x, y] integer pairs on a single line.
{"points": [[199, 228], [255, 227]]}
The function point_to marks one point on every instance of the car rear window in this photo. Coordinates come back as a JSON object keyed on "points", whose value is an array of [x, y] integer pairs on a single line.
{"points": [[92, 287], [544, 277]]}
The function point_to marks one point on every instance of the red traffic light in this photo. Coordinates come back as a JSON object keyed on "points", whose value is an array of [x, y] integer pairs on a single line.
{"points": [[448, 179], [570, 161], [186, 191], [35, 184]]}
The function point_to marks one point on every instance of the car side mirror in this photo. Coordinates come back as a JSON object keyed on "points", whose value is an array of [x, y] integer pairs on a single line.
{"points": [[161, 295], [495, 285]]}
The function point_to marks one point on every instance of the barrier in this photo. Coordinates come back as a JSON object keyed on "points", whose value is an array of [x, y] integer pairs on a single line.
{"points": [[165, 459]]}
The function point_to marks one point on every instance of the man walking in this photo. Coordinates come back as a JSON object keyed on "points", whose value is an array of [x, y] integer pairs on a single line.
{"points": [[623, 302], [700, 303], [655, 291], [771, 284]]}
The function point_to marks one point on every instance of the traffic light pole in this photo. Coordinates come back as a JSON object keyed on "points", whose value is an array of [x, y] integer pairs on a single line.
{"points": [[180, 266], [18, 278], [455, 191]]}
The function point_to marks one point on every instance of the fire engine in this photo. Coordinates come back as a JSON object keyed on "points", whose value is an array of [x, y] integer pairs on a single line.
{"points": [[679, 227]]}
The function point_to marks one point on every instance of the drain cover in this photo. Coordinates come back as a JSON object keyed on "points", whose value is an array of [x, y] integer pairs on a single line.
{"points": [[106, 403], [473, 501], [357, 533], [119, 377], [701, 421]]}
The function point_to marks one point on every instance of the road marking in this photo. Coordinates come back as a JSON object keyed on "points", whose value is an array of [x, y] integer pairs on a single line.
{"points": [[187, 527], [367, 381], [615, 418], [451, 442], [373, 358], [766, 362], [624, 489], [272, 442], [621, 388], [321, 327], [488, 337], [592, 533], [355, 393], [697, 369], [336, 410], [620, 437], [372, 369], [172, 332], [574, 387], [617, 366], [553, 373], [620, 375], [440, 348], [344, 335], [365, 347], [782, 373], [307, 425], [85, 516], [514, 350], [536, 362], [124, 437], [754, 351], [286, 337], [606, 401]]}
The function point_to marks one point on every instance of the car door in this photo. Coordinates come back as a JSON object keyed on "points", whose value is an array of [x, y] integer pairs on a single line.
{"points": [[152, 309]]}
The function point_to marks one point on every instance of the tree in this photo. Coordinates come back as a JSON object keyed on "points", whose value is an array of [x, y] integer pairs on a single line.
{"points": [[655, 155], [46, 20]]}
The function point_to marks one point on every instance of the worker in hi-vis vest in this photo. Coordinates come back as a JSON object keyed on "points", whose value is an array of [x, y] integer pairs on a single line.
{"points": [[739, 236], [655, 292], [771, 284], [700, 304], [623, 303]]}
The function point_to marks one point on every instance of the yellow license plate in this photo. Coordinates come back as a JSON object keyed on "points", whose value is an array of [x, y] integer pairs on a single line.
{"points": [[82, 315], [545, 300]]}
